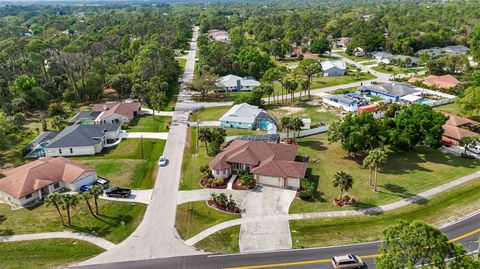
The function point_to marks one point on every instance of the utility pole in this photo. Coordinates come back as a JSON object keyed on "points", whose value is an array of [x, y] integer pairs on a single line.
{"points": [[141, 144]]}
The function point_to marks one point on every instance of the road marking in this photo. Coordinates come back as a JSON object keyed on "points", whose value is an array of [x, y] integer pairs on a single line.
{"points": [[328, 260], [464, 236]]}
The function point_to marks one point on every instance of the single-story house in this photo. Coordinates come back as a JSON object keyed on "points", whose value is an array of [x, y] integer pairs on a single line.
{"points": [[397, 59], [30, 183], [358, 52], [306, 54], [271, 164], [348, 102], [436, 52], [35, 149], [218, 35], [245, 116], [109, 112], [443, 82], [390, 91], [380, 55], [342, 42], [457, 128], [232, 83], [76, 140], [333, 68]]}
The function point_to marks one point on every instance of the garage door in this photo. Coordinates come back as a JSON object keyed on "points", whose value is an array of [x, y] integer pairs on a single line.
{"points": [[270, 181]]}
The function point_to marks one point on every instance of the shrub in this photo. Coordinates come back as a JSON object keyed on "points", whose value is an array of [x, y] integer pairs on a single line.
{"points": [[219, 181], [308, 186], [246, 179], [305, 196]]}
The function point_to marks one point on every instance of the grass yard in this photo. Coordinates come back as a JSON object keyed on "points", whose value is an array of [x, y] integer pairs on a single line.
{"points": [[393, 69], [193, 159], [323, 82], [315, 111], [194, 217], [405, 174], [182, 63], [353, 58], [454, 109], [442, 208], [224, 241], [124, 166], [46, 253], [45, 219], [209, 114], [150, 124]]}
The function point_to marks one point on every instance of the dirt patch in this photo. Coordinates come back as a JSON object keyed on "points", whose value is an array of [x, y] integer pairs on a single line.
{"points": [[292, 110]]}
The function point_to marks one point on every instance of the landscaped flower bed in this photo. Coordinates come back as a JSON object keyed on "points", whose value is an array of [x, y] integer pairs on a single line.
{"points": [[214, 183], [222, 202]]}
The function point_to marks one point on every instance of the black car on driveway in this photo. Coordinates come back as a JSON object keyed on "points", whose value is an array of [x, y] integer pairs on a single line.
{"points": [[118, 192]]}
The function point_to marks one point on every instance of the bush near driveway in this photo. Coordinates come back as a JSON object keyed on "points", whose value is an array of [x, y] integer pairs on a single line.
{"points": [[405, 174], [46, 253], [40, 219]]}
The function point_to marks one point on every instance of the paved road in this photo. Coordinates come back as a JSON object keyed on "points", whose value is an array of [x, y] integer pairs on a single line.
{"points": [[467, 230], [156, 236]]}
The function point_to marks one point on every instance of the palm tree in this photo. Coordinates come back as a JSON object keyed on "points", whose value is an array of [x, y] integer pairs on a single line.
{"points": [[96, 191], [468, 141], [205, 135], [87, 196], [291, 85], [69, 201], [285, 121], [296, 124], [374, 159], [56, 200], [343, 181]]}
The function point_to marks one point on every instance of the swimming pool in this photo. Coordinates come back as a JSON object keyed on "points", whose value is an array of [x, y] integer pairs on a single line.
{"points": [[423, 101]]}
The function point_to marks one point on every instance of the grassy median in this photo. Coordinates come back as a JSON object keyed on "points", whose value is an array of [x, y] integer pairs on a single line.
{"points": [[224, 241]]}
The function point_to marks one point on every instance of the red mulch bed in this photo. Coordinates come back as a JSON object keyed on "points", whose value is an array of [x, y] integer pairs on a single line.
{"points": [[222, 208], [343, 202], [237, 186], [204, 181]]}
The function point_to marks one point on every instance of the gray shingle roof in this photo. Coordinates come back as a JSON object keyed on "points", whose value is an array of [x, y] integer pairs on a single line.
{"points": [[394, 89], [85, 115], [81, 135]]}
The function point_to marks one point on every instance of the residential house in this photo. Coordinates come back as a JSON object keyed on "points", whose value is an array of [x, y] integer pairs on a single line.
{"points": [[218, 35], [271, 164], [342, 42], [108, 113], [30, 183], [348, 102], [305, 54], [76, 140], [245, 116], [333, 68], [457, 128], [380, 55], [443, 82], [436, 52], [391, 92], [232, 83], [358, 52]]}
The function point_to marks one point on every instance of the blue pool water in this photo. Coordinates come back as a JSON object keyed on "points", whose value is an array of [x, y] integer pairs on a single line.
{"points": [[423, 101]]}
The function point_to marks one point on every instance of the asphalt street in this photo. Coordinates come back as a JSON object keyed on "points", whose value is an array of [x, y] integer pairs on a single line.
{"points": [[464, 231]]}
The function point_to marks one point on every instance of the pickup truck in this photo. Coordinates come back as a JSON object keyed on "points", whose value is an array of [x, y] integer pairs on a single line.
{"points": [[118, 192]]}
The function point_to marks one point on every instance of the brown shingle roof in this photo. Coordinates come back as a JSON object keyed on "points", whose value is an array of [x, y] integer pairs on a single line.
{"points": [[28, 178], [454, 120], [446, 81], [268, 156], [124, 109], [457, 133]]}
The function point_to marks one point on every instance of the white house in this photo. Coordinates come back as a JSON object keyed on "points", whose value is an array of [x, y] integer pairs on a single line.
{"points": [[333, 68], [246, 116], [109, 113], [77, 140], [232, 83], [31, 182]]}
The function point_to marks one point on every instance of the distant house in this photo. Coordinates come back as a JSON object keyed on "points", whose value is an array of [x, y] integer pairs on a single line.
{"points": [[443, 82], [392, 92], [232, 83], [436, 52], [306, 54], [358, 52], [333, 68], [32, 182], [245, 116], [457, 128], [342, 42], [108, 113], [348, 102], [271, 164], [380, 55], [76, 140], [218, 35]]}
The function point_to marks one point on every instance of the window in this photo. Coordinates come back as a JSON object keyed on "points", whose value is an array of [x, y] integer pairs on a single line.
{"points": [[60, 151], [28, 196], [71, 150], [56, 185]]}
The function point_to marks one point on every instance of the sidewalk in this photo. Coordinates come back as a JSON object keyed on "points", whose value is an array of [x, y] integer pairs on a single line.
{"points": [[105, 244]]}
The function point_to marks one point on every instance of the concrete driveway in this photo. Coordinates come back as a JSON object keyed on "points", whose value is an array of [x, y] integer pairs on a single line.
{"points": [[262, 235], [137, 196]]}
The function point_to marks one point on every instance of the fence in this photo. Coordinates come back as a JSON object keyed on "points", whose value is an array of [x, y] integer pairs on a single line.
{"points": [[318, 130]]}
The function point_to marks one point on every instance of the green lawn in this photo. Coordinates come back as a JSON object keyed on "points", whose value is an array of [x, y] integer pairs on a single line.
{"points": [[392, 69], [323, 82], [194, 217], [124, 166], [182, 63], [224, 241], [193, 159], [45, 219], [442, 208], [353, 58], [209, 114], [317, 112], [150, 124], [454, 109], [46, 253], [405, 174]]}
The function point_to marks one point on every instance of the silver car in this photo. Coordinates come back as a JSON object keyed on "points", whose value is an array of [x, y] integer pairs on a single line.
{"points": [[347, 262]]}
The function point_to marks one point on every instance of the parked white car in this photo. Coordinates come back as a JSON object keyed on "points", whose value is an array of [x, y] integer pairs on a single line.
{"points": [[162, 161]]}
